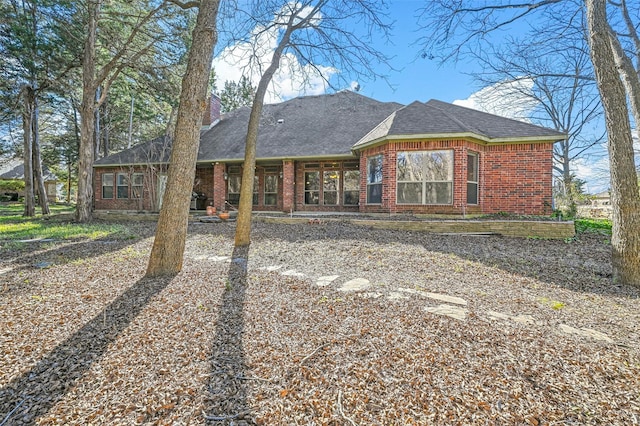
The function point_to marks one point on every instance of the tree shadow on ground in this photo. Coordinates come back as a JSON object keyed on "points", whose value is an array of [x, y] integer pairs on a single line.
{"points": [[35, 392], [582, 264], [61, 252], [226, 400]]}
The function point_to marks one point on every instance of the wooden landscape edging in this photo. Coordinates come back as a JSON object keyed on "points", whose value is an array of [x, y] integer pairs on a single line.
{"points": [[509, 228]]}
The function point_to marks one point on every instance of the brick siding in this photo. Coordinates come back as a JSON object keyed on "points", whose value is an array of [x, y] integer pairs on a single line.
{"points": [[514, 178]]}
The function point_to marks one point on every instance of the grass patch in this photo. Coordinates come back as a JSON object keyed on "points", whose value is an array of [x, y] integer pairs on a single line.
{"points": [[600, 226], [14, 227]]}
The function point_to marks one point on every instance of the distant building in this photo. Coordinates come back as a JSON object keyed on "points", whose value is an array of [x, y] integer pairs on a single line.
{"points": [[14, 170]]}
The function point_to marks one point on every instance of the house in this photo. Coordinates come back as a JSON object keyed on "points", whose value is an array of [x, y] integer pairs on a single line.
{"points": [[14, 170], [345, 152]]}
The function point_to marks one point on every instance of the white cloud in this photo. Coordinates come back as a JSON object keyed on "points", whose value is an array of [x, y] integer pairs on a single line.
{"points": [[252, 57], [511, 99]]}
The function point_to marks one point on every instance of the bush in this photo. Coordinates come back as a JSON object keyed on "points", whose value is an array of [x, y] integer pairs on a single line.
{"points": [[13, 185]]}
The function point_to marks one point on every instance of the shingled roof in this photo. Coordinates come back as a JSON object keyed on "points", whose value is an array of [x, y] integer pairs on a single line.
{"points": [[333, 125], [305, 127], [438, 119]]}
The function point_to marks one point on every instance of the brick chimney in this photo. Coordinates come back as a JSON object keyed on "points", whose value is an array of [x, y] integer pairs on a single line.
{"points": [[212, 113]]}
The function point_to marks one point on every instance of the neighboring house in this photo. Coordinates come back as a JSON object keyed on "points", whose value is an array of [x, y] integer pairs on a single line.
{"points": [[14, 170], [345, 152]]}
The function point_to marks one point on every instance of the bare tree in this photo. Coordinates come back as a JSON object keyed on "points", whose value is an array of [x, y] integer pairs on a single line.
{"points": [[168, 247], [312, 32], [557, 88], [453, 27]]}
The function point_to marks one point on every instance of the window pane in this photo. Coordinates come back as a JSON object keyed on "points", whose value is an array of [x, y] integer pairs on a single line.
{"points": [[439, 166], [374, 193], [472, 168], [374, 169], [107, 185], [138, 179], [312, 197], [411, 166], [122, 179], [472, 193], [352, 180], [234, 184], [438, 193], [311, 181], [270, 190], [270, 199], [123, 192], [351, 187], [331, 181], [330, 198], [330, 185], [107, 192], [123, 186], [270, 183], [410, 193]]}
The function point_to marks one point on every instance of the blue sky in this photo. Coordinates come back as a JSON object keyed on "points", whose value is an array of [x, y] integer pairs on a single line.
{"points": [[415, 78]]}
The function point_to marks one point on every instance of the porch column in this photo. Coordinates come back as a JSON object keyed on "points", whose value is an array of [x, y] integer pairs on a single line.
{"points": [[219, 186], [288, 186]]}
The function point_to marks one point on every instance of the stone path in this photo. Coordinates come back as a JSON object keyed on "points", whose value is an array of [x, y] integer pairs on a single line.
{"points": [[453, 307]]}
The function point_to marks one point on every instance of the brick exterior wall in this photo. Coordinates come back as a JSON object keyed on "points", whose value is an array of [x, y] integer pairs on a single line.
{"points": [[514, 178], [142, 204], [288, 185]]}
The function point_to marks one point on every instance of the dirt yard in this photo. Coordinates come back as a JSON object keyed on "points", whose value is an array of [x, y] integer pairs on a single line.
{"points": [[324, 324]]}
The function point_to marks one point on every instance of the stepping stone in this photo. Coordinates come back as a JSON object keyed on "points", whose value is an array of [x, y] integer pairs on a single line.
{"points": [[585, 332], [397, 295], [293, 273], [371, 295], [455, 312], [44, 264], [355, 285], [521, 319], [326, 280], [219, 258], [436, 296], [270, 268]]}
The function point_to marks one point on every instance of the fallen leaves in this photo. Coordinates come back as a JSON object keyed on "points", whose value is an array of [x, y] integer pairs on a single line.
{"points": [[281, 349]]}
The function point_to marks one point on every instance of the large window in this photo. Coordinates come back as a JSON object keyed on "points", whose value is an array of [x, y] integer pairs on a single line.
{"points": [[425, 177], [351, 187], [472, 178], [137, 182], [270, 190], [122, 185], [107, 185], [331, 184], [312, 187], [233, 185], [374, 179]]}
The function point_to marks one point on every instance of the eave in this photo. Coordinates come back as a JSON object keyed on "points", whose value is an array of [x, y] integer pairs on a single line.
{"points": [[472, 137]]}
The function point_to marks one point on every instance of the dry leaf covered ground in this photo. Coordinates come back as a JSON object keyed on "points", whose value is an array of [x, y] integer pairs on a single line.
{"points": [[324, 324]]}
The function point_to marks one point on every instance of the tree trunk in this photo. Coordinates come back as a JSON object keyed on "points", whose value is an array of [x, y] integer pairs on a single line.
{"points": [[168, 247], [243, 224], [86, 153], [27, 127], [37, 163], [625, 239]]}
